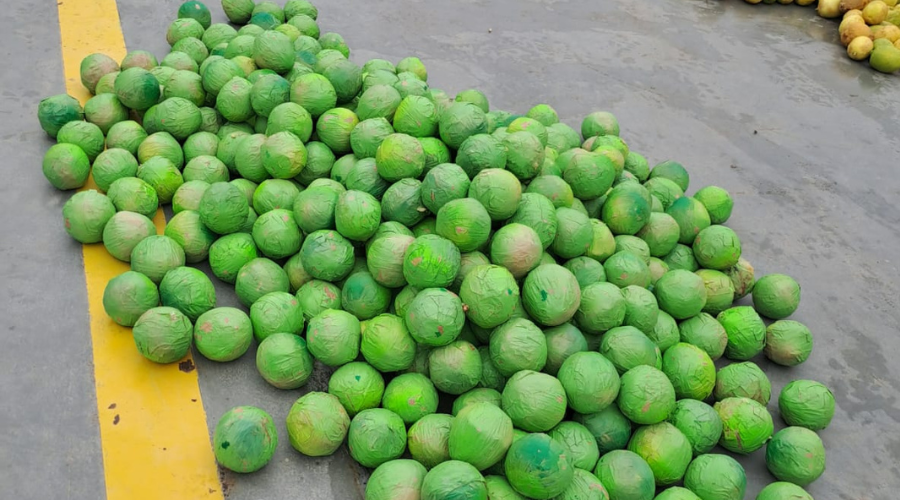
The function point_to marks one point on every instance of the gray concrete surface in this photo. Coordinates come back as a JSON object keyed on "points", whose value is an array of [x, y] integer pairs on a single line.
{"points": [[757, 99]]}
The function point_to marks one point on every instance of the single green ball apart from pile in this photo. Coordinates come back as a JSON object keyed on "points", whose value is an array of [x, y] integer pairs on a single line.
{"points": [[376, 436], [745, 380], [776, 296], [806, 403], [536, 402], [681, 293], [626, 475], [163, 334], [551, 294], [396, 480], [188, 290], [454, 479], [223, 334], [646, 395], [455, 368], [780, 490], [245, 439], [627, 347], [746, 424], [124, 231], [85, 215], [128, 296], [284, 361], [539, 466], [518, 345], [691, 371], [796, 455], [716, 477], [665, 449], [699, 423], [357, 386], [480, 435], [317, 424], [746, 332]]}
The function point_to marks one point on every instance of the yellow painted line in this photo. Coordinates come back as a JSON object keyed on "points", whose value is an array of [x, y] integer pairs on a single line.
{"points": [[153, 431]]}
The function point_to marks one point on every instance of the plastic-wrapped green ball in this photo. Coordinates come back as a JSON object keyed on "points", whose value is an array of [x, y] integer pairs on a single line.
{"points": [[499, 191], [691, 217], [276, 234], [746, 424], [681, 293], [562, 342], [396, 480], [435, 317], [127, 135], [480, 435], [334, 337], [776, 296], [717, 201], [245, 439], [188, 290], [293, 118], [535, 402], [744, 380], [223, 208], [454, 479], [124, 231], [376, 436], [706, 333], [455, 368], [551, 294], [411, 396], [317, 424], [806, 403], [357, 386], [223, 334], [490, 294], [641, 309], [189, 232], [163, 334], [259, 277], [428, 439], [691, 371], [609, 427], [128, 296], [518, 345], [665, 449], [66, 166], [363, 297], [402, 202], [284, 361], [477, 395], [133, 195], [788, 343], [316, 296], [660, 233], [357, 215], [746, 332], [717, 247], [602, 307], [86, 214], [228, 254], [646, 396], [386, 344], [431, 261], [716, 477], [699, 423], [188, 196], [627, 347], [586, 270], [626, 475], [465, 222], [580, 442], [163, 176], [537, 212], [625, 269], [780, 490], [590, 381], [154, 256], [681, 257], [276, 312], [539, 466], [719, 290]]}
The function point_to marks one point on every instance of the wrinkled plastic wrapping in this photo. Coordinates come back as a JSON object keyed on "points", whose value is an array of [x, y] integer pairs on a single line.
{"points": [[627, 347], [411, 396], [562, 342], [245, 439], [742, 277], [185, 84], [386, 344], [699, 423], [625, 211], [665, 449], [137, 88], [602, 307], [796, 455], [357, 386], [85, 135], [385, 259], [163, 334], [435, 317], [516, 247], [85, 215], [717, 247], [580, 442], [179, 117], [154, 256], [317, 424], [479, 152], [378, 101], [228, 254], [363, 297], [524, 154], [276, 234], [334, 127], [498, 190], [781, 490], [454, 479], [716, 477], [431, 261], [188, 231], [518, 345], [641, 309], [590, 381], [480, 435], [259, 277], [223, 207], [126, 135], [105, 110], [625, 268], [56, 111], [551, 295], [284, 361], [428, 439], [188, 290], [293, 118], [646, 395], [316, 296], [538, 466], [124, 231], [276, 312], [284, 155], [376, 436], [691, 371], [163, 176], [455, 368], [626, 475], [691, 217], [746, 425], [223, 334], [402, 202], [535, 401], [660, 233], [681, 293], [609, 427], [188, 196], [744, 380], [367, 137], [776, 296], [333, 337], [205, 168], [396, 480], [806, 403], [705, 332], [465, 222], [269, 90], [746, 332], [128, 296]]}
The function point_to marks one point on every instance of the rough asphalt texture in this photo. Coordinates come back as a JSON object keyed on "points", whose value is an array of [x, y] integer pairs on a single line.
{"points": [[757, 99]]}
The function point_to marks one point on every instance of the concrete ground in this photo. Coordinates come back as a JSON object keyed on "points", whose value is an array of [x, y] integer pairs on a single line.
{"points": [[760, 100]]}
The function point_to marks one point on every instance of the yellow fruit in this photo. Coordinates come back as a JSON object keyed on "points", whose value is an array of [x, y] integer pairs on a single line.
{"points": [[829, 8], [890, 3], [885, 58], [897, 44], [853, 12], [854, 30], [876, 12], [860, 48], [850, 20], [846, 5]]}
